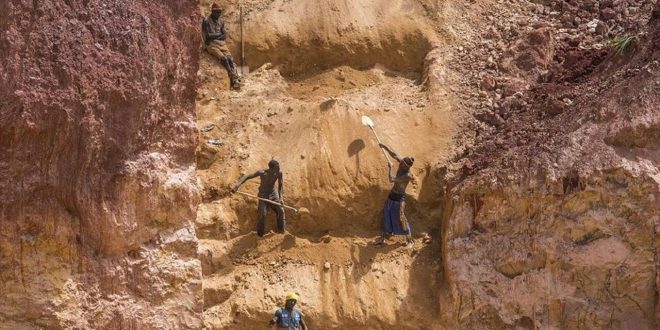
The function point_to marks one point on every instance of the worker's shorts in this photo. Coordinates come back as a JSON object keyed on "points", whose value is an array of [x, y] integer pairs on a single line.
{"points": [[394, 219], [218, 48]]}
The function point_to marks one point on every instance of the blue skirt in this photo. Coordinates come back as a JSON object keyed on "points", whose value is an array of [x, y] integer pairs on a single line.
{"points": [[394, 220]]}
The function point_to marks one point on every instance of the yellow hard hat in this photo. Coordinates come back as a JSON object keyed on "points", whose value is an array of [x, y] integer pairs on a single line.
{"points": [[292, 296]]}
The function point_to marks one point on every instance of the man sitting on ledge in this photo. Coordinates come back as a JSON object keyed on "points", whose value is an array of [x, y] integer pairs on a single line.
{"points": [[215, 35]]}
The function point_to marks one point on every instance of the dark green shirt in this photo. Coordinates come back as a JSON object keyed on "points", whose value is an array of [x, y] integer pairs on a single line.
{"points": [[213, 29]]}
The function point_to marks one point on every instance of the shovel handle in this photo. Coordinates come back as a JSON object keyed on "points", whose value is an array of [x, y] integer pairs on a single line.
{"points": [[267, 201], [378, 139]]}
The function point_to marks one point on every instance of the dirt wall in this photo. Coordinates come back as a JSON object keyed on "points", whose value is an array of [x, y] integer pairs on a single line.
{"points": [[549, 217], [97, 179], [555, 220], [303, 38]]}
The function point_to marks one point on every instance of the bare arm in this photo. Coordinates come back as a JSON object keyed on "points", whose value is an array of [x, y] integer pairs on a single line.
{"points": [[389, 172], [243, 179], [391, 152], [303, 325]]}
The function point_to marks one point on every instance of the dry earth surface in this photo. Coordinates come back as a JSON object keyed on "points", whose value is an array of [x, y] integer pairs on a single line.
{"points": [[536, 196], [535, 126]]}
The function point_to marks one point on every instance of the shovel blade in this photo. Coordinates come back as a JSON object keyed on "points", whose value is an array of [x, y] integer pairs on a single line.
{"points": [[366, 121]]}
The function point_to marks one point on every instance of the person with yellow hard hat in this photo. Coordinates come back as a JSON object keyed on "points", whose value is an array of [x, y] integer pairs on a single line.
{"points": [[288, 317]]}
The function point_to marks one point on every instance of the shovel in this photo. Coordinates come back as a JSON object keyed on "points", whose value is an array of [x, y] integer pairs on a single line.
{"points": [[366, 121], [267, 201]]}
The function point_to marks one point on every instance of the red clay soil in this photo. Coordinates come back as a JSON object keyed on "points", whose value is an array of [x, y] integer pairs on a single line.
{"points": [[581, 87], [553, 220], [97, 138]]}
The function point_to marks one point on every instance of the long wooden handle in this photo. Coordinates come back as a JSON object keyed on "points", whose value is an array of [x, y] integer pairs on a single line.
{"points": [[378, 139], [268, 201]]}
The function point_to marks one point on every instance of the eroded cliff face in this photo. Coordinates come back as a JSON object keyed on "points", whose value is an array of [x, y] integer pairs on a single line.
{"points": [[570, 253], [556, 226], [97, 175]]}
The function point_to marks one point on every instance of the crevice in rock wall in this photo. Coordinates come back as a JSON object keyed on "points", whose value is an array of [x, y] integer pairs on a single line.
{"points": [[553, 111]]}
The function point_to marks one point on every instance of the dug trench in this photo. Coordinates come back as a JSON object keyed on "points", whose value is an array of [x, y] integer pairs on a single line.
{"points": [[512, 230], [302, 105]]}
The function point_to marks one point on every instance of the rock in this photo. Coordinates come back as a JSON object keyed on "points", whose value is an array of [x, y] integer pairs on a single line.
{"points": [[207, 128], [490, 63], [488, 83], [426, 238], [215, 142], [489, 117], [552, 106], [601, 28], [607, 13], [328, 104], [566, 18]]}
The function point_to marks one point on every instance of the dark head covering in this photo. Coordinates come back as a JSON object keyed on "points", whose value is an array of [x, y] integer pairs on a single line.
{"points": [[216, 7], [273, 163]]}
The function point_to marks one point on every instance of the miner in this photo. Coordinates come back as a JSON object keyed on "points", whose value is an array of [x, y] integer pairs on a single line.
{"points": [[288, 317], [394, 218], [215, 35], [268, 177]]}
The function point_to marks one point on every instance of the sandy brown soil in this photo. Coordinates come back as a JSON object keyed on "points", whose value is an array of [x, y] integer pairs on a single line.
{"points": [[304, 109], [488, 97]]}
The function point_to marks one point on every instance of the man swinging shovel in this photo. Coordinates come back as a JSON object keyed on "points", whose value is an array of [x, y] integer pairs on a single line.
{"points": [[394, 218], [268, 196]]}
